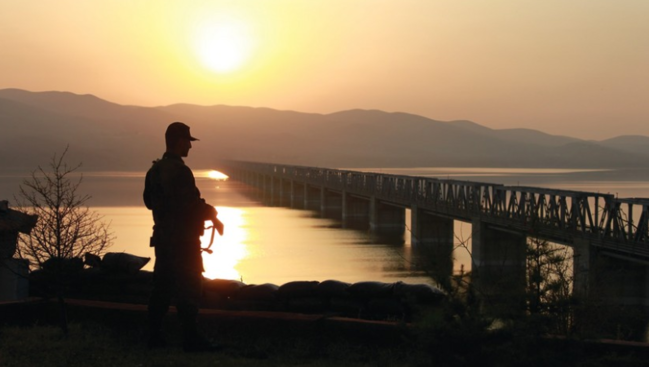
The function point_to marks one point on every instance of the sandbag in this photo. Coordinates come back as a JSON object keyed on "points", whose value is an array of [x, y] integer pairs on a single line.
{"points": [[224, 287], [91, 260], [210, 299], [123, 263], [371, 290], [420, 292], [65, 266], [261, 292], [332, 288], [346, 306], [379, 308], [305, 305], [298, 289]]}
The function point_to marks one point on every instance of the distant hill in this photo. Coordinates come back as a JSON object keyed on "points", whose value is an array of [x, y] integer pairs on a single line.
{"points": [[637, 144], [527, 136], [109, 136]]}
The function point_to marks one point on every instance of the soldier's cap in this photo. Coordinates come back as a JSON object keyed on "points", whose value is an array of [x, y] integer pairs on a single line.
{"points": [[178, 130]]}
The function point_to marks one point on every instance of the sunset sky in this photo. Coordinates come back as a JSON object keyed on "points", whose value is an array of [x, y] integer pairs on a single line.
{"points": [[577, 67]]}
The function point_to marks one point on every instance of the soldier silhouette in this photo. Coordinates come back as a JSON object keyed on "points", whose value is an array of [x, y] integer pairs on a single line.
{"points": [[179, 215]]}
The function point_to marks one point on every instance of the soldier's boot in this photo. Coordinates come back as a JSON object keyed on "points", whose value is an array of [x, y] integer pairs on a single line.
{"points": [[193, 340]]}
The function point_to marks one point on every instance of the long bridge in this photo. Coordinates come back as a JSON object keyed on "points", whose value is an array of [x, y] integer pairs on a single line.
{"points": [[502, 218]]}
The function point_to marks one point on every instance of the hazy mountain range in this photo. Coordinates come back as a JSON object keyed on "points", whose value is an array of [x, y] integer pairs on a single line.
{"points": [[108, 136]]}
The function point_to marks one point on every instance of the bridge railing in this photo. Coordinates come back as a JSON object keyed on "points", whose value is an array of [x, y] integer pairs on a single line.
{"points": [[556, 214]]}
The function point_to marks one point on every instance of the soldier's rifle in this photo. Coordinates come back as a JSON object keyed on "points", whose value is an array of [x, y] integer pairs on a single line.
{"points": [[216, 226]]}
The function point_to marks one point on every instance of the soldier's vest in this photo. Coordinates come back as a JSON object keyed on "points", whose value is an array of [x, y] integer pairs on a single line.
{"points": [[169, 224]]}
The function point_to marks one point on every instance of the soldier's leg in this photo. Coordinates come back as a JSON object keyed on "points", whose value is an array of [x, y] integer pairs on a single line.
{"points": [[189, 294], [159, 301]]}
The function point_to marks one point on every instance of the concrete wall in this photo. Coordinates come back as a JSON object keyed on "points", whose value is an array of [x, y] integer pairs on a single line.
{"points": [[14, 283]]}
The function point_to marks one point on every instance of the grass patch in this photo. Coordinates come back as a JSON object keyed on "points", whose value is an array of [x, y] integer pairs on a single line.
{"points": [[118, 339], [99, 345]]}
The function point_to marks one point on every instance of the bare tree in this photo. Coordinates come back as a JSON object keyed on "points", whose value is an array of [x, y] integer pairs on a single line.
{"points": [[549, 285], [66, 228]]}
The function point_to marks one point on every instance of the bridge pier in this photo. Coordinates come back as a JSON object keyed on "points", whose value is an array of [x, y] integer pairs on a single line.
{"points": [[297, 195], [266, 185], [387, 220], [433, 236], [285, 190], [273, 191], [498, 269], [584, 258], [613, 291], [331, 204], [355, 212], [312, 197], [261, 187]]}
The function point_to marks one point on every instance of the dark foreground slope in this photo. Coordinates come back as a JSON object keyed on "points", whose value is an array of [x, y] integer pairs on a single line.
{"points": [[100, 336]]}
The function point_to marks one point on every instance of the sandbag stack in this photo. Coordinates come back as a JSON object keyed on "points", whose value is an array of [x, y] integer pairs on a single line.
{"points": [[118, 278], [367, 300]]}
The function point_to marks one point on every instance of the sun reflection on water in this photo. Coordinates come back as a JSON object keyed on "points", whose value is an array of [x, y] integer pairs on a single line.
{"points": [[229, 249], [213, 174]]}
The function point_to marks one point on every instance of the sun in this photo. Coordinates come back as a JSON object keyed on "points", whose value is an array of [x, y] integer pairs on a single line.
{"points": [[223, 45]]}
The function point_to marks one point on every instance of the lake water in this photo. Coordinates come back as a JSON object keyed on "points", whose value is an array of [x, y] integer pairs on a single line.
{"points": [[278, 245]]}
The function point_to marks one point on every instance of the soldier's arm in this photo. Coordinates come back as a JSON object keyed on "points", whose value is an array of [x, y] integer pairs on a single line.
{"points": [[189, 197]]}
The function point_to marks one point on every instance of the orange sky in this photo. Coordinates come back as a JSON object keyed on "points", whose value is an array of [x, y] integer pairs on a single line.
{"points": [[578, 68]]}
